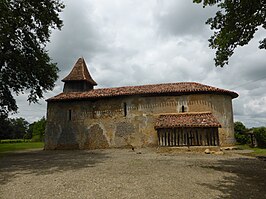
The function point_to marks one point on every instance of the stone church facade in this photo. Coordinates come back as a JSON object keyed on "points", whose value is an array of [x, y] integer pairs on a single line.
{"points": [[172, 114]]}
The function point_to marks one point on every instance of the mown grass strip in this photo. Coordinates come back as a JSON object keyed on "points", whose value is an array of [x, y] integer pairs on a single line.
{"points": [[256, 150], [259, 151], [20, 146]]}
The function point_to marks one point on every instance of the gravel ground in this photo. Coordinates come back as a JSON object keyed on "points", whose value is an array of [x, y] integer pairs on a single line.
{"points": [[121, 173]]}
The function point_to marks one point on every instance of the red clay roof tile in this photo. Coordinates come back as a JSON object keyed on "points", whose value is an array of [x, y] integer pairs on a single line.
{"points": [[147, 90], [201, 119]]}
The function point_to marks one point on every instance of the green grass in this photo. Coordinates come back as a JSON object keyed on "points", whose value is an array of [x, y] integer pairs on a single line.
{"points": [[256, 151], [20, 146]]}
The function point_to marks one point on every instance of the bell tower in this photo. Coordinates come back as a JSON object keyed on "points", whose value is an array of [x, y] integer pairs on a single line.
{"points": [[79, 79]]}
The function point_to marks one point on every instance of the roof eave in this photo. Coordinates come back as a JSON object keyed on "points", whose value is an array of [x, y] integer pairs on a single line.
{"points": [[92, 82], [186, 126]]}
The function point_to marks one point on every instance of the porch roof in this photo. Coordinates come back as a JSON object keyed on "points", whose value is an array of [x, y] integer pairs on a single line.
{"points": [[200, 119]]}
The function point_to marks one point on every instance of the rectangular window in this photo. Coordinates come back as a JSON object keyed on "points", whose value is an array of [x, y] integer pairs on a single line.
{"points": [[125, 109], [69, 115]]}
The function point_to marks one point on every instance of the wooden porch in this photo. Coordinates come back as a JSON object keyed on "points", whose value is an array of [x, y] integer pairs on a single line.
{"points": [[182, 136]]}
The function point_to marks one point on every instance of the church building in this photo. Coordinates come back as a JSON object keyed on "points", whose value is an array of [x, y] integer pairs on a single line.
{"points": [[170, 114]]}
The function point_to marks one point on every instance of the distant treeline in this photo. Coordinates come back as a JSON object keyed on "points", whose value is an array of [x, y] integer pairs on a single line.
{"points": [[19, 128]]}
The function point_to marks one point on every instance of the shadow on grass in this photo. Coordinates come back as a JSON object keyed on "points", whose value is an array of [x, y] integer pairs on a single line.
{"points": [[41, 162], [248, 180]]}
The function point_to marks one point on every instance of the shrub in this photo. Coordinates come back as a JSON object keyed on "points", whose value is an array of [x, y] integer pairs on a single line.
{"points": [[37, 130], [11, 141], [240, 133], [36, 138], [242, 138], [260, 135]]}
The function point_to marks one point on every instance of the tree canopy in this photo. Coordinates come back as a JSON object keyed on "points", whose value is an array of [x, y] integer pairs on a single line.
{"points": [[25, 28], [234, 24], [14, 128], [19, 128], [37, 130], [240, 133]]}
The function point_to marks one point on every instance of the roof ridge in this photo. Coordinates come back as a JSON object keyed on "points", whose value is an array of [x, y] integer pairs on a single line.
{"points": [[169, 83]]}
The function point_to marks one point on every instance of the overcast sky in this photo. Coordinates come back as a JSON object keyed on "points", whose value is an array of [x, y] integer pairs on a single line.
{"points": [[136, 42]]}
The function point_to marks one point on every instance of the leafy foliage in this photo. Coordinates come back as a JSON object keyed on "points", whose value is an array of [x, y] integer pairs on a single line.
{"points": [[38, 130], [19, 128], [260, 135], [5, 127], [235, 24], [13, 128], [240, 133], [25, 28]]}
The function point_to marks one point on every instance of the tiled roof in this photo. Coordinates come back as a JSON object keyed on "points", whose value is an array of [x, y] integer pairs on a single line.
{"points": [[147, 90], [201, 119], [80, 72]]}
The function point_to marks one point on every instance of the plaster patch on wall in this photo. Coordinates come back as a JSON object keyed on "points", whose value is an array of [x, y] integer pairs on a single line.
{"points": [[53, 132], [108, 138], [123, 133], [95, 138], [67, 138]]}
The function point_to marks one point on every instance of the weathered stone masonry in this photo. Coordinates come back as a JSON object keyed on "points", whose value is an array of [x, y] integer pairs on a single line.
{"points": [[120, 117]]}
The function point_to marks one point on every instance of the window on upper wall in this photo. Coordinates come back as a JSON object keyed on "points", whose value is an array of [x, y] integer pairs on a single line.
{"points": [[183, 109], [125, 109], [69, 115]]}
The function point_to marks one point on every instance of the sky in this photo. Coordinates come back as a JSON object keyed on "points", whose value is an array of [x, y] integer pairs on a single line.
{"points": [[136, 42]]}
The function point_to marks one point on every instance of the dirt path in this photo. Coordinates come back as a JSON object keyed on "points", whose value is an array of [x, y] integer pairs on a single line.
{"points": [[121, 173]]}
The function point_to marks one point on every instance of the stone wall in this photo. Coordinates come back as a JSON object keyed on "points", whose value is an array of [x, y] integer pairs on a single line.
{"points": [[126, 121]]}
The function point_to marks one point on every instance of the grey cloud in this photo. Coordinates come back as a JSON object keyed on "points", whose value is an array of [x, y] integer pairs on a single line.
{"points": [[128, 42], [80, 36], [181, 18]]}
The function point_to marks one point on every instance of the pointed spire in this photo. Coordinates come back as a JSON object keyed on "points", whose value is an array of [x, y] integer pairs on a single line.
{"points": [[79, 79], [80, 73]]}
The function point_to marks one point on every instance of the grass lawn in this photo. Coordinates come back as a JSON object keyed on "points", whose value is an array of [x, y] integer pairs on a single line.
{"points": [[20, 146], [256, 151]]}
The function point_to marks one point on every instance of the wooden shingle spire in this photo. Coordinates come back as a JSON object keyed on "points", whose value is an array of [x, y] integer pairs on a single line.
{"points": [[80, 73], [79, 79]]}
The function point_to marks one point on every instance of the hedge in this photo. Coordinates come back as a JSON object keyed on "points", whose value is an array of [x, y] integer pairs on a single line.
{"points": [[260, 135], [11, 141]]}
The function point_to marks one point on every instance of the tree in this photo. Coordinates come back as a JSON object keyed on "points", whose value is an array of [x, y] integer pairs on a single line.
{"points": [[235, 23], [5, 127], [28, 134], [260, 135], [38, 129], [19, 127], [25, 28], [14, 128], [240, 133]]}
